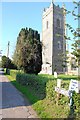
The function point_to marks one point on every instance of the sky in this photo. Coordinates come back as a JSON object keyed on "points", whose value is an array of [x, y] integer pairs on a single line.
{"points": [[17, 15]]}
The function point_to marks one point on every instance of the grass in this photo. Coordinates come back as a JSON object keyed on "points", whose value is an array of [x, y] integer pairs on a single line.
{"points": [[45, 108], [23, 89]]}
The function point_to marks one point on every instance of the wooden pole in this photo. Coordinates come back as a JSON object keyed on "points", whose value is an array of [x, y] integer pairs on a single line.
{"points": [[58, 94], [8, 49], [7, 71]]}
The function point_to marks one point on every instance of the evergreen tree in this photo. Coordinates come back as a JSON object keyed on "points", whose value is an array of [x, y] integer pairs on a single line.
{"points": [[28, 52]]}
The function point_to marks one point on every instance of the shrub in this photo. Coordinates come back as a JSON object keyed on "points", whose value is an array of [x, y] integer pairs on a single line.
{"points": [[44, 87], [76, 100], [36, 85]]}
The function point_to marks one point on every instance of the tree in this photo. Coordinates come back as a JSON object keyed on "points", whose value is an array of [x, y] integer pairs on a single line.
{"points": [[7, 63], [75, 32], [28, 52], [4, 61]]}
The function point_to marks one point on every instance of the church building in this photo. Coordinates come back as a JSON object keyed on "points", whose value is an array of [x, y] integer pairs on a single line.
{"points": [[53, 40]]}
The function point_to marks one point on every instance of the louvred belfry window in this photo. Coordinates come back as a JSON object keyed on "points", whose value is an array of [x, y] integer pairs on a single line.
{"points": [[58, 23]]}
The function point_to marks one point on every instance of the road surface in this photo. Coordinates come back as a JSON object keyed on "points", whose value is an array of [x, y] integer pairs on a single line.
{"points": [[12, 102]]}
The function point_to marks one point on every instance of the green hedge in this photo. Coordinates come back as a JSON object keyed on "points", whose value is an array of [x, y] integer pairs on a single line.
{"points": [[31, 81], [76, 106], [44, 87]]}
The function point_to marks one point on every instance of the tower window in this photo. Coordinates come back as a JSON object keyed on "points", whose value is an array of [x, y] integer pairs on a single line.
{"points": [[47, 24], [58, 23], [59, 45]]}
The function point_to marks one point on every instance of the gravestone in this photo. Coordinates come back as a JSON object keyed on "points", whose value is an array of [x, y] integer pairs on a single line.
{"points": [[55, 74]]}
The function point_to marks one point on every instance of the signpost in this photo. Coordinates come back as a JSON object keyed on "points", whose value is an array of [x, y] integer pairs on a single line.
{"points": [[74, 86], [58, 86], [62, 91], [59, 83]]}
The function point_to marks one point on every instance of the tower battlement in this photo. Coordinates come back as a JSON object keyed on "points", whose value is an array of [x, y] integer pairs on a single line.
{"points": [[55, 7]]}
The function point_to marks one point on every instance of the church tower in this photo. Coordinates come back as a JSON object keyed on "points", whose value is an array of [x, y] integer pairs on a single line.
{"points": [[53, 41]]}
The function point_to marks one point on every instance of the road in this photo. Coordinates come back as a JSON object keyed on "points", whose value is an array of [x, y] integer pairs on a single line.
{"points": [[12, 102], [1, 72]]}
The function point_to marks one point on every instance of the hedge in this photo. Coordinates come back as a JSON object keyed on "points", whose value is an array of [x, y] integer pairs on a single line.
{"points": [[44, 87]]}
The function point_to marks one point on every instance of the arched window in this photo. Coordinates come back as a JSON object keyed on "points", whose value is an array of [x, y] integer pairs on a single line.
{"points": [[58, 23]]}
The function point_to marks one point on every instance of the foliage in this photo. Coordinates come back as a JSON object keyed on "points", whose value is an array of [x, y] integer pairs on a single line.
{"points": [[7, 63], [76, 99], [27, 55], [75, 13], [43, 87], [75, 31], [0, 64], [76, 51], [45, 104], [33, 82]]}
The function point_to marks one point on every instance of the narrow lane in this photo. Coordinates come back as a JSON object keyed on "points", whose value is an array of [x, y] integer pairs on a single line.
{"points": [[13, 103]]}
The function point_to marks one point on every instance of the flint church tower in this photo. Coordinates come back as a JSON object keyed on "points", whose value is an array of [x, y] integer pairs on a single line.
{"points": [[53, 41]]}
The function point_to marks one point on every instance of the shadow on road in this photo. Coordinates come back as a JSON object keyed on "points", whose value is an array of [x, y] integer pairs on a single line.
{"points": [[11, 97]]}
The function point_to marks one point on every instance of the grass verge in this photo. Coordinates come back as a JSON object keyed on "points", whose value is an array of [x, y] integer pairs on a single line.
{"points": [[46, 107]]}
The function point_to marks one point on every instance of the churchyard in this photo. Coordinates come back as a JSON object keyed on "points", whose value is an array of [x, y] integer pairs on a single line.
{"points": [[51, 96], [42, 94]]}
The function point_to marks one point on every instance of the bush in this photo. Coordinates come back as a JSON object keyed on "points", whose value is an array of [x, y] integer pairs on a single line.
{"points": [[44, 87], [76, 100], [32, 81]]}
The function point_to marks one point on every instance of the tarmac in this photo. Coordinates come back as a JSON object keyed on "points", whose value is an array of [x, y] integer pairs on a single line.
{"points": [[13, 104]]}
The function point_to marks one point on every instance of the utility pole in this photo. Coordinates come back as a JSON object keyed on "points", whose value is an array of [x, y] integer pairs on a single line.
{"points": [[7, 70], [0, 53], [8, 49]]}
